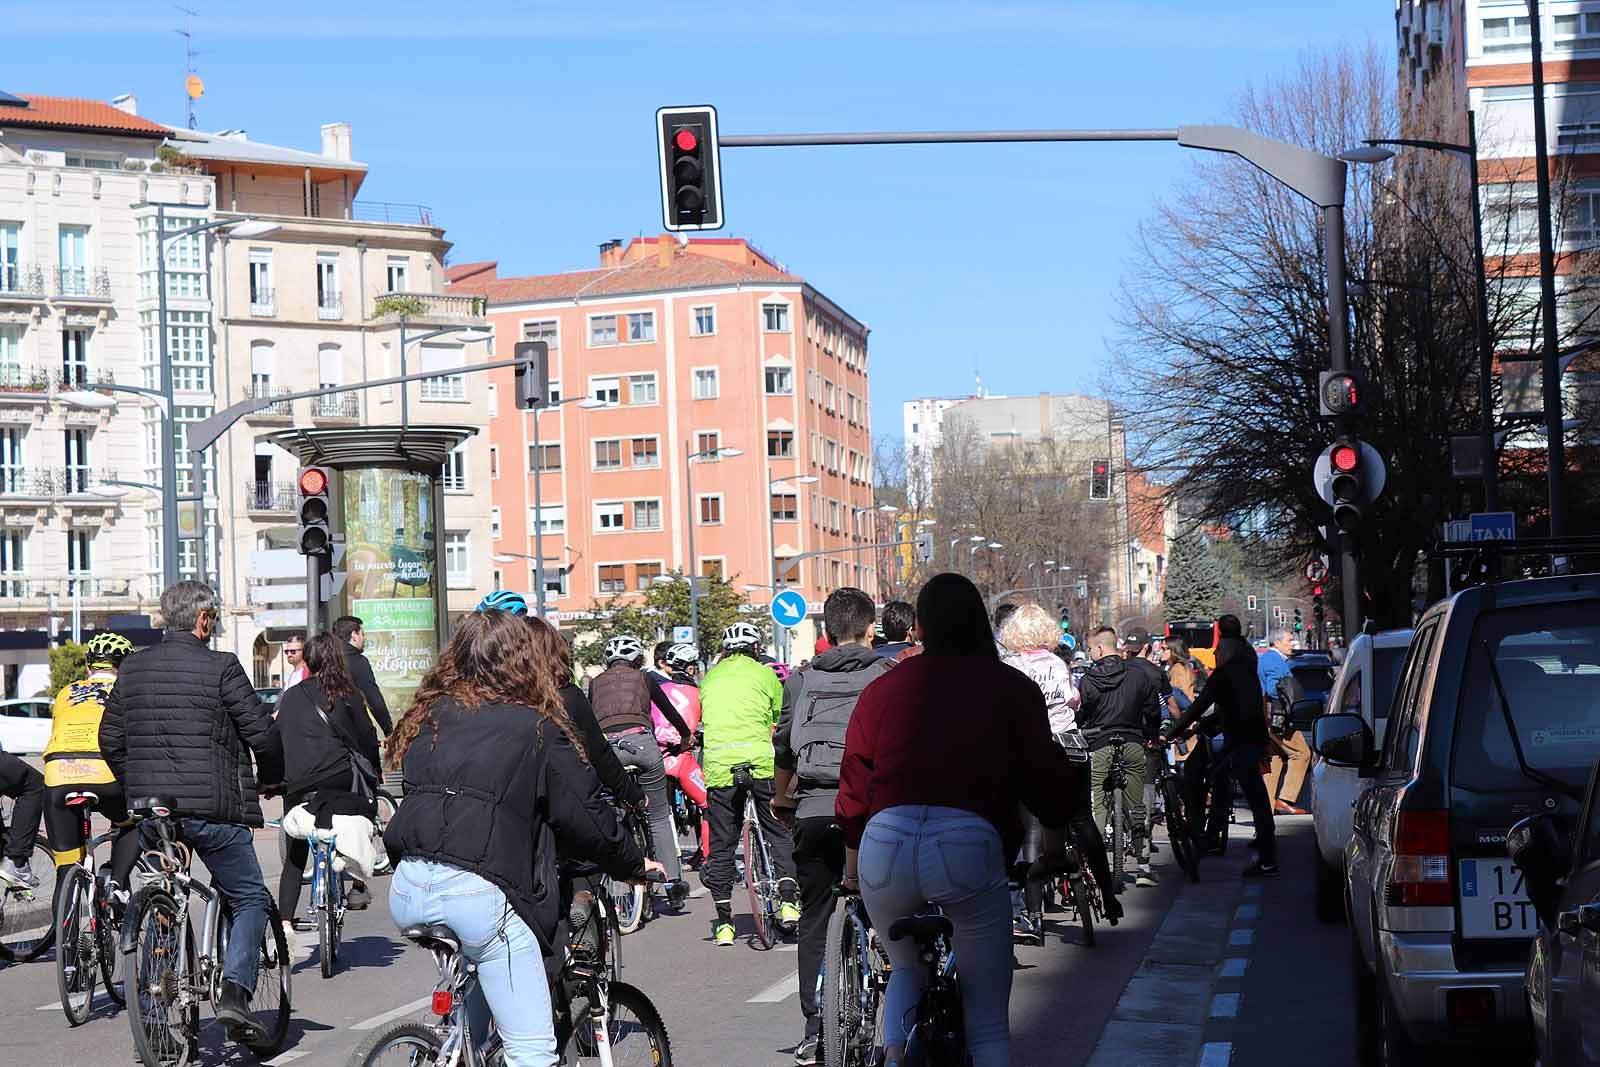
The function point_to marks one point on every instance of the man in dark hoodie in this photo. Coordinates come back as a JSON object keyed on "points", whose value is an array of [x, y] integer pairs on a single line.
{"points": [[1120, 711], [808, 748]]}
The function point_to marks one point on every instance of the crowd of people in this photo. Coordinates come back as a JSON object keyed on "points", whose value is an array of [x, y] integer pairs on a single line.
{"points": [[919, 758]]}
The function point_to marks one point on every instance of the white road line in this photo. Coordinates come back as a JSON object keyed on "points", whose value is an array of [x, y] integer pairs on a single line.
{"points": [[55, 1005], [1225, 1005], [1252, 891], [404, 1009], [1247, 912], [1234, 967], [289, 1057], [1216, 1053], [778, 991], [1241, 937]]}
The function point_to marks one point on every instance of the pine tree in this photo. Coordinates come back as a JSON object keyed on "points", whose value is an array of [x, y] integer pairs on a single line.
{"points": [[1196, 579]]}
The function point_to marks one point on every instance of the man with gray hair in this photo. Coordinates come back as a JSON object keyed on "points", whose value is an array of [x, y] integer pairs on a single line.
{"points": [[179, 727]]}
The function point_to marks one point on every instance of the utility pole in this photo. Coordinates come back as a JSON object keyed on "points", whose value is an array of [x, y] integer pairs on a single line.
{"points": [[1550, 361]]}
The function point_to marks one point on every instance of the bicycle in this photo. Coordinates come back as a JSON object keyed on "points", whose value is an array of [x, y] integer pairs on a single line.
{"points": [[1169, 786], [26, 929], [938, 1036], [167, 974], [328, 897], [629, 898], [759, 878], [855, 972], [1116, 781], [86, 922], [599, 1020]]}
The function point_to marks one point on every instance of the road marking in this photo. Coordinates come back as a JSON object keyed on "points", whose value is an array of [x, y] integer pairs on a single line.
{"points": [[778, 991], [1225, 1005], [1216, 1053], [787, 948], [55, 1005], [1247, 911], [1252, 891], [1241, 937], [1233, 967], [288, 1057], [407, 1009]]}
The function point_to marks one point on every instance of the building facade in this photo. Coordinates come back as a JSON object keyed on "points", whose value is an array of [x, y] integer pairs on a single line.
{"points": [[686, 349]]}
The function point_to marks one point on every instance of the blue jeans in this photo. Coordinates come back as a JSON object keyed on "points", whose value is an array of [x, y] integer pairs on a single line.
{"points": [[229, 854], [511, 976], [915, 854]]}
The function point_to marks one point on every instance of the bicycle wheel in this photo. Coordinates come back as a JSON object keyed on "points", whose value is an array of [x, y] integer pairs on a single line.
{"points": [[849, 1006], [1183, 846], [387, 806], [270, 1002], [1083, 904], [163, 1013], [758, 880], [638, 1037], [108, 930], [326, 941], [627, 903], [76, 967], [401, 1045], [27, 928]]}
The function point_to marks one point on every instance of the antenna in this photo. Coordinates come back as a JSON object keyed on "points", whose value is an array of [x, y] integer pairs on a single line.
{"points": [[193, 87]]}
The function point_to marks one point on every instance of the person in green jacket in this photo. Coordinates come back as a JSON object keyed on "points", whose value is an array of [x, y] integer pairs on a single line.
{"points": [[740, 699]]}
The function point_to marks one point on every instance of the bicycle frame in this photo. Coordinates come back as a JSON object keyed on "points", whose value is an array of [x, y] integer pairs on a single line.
{"points": [[327, 885], [871, 962]]}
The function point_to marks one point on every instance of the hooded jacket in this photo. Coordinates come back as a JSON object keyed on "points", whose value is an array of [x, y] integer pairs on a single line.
{"points": [[1115, 700], [865, 665]]}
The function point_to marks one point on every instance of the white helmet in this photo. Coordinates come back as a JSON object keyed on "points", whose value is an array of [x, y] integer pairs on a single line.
{"points": [[684, 655], [741, 635], [623, 647]]}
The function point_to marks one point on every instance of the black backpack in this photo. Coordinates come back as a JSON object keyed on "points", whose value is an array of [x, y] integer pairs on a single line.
{"points": [[822, 715]]}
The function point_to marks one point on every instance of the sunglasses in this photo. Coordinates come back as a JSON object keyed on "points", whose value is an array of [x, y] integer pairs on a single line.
{"points": [[291, 651]]}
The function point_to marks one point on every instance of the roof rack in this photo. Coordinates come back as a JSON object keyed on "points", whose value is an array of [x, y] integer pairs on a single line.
{"points": [[1482, 562]]}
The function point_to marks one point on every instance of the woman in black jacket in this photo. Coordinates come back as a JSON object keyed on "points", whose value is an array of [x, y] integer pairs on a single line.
{"points": [[494, 777], [321, 720]]}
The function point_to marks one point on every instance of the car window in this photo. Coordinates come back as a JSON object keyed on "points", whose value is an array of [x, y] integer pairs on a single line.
{"points": [[1399, 743], [1314, 679], [1350, 699], [1548, 658], [1386, 664]]}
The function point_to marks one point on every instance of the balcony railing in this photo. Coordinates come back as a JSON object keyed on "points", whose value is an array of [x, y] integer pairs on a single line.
{"points": [[52, 482], [21, 281], [382, 211], [18, 586], [326, 202], [280, 409], [276, 497], [330, 308], [28, 382], [264, 303], [451, 307], [337, 406], [83, 283]]}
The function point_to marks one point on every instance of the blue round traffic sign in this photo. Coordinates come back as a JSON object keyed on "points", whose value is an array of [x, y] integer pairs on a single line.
{"points": [[788, 608]]}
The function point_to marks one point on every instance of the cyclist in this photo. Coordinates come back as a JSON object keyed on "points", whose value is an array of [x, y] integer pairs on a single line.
{"points": [[1136, 651], [22, 783], [493, 776], [72, 764], [181, 723], [940, 754], [898, 620], [740, 701], [622, 696], [1118, 712], [659, 669]]}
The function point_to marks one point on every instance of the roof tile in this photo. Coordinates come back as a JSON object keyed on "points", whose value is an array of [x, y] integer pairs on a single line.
{"points": [[688, 270], [63, 112]]}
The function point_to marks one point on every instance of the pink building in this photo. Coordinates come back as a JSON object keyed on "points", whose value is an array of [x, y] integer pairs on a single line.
{"points": [[693, 347]]}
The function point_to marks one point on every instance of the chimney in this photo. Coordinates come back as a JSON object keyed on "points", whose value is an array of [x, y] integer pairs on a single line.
{"points": [[666, 249], [127, 102], [336, 140], [611, 252]]}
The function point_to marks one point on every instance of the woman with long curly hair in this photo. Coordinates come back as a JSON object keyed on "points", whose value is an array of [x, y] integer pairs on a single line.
{"points": [[493, 774]]}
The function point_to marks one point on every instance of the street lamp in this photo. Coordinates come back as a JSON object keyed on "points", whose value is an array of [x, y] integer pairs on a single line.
{"points": [[468, 335], [972, 553], [688, 488], [586, 403]]}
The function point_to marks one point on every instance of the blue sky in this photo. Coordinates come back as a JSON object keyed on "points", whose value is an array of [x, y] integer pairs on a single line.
{"points": [[528, 128]]}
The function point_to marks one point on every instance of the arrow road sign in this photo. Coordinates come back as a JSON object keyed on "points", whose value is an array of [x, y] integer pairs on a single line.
{"points": [[788, 608]]}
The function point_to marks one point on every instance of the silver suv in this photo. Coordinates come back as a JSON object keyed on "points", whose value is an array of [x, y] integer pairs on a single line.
{"points": [[1496, 717]]}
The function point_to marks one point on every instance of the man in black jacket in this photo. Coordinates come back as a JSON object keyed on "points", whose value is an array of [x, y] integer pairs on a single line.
{"points": [[348, 629], [807, 748], [181, 724], [1120, 711]]}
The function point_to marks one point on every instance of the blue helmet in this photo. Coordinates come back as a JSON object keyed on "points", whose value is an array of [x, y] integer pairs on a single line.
{"points": [[504, 600]]}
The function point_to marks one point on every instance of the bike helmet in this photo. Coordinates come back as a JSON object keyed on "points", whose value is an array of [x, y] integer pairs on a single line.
{"points": [[623, 647], [781, 670], [682, 656], [504, 600], [741, 635], [108, 648]]}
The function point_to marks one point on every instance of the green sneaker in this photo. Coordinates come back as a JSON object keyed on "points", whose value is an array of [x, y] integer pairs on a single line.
{"points": [[788, 913], [722, 936]]}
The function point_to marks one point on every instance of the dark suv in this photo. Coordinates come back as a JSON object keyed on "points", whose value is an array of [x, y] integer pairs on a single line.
{"points": [[1496, 717]]}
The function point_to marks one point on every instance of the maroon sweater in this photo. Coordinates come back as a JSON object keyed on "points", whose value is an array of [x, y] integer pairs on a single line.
{"points": [[962, 732]]}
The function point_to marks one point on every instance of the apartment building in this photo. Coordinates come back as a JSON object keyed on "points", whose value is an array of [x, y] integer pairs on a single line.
{"points": [[311, 304], [692, 347], [78, 181]]}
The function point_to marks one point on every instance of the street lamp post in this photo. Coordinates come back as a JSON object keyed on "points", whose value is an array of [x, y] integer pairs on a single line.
{"points": [[772, 544], [586, 403], [972, 554], [688, 489]]}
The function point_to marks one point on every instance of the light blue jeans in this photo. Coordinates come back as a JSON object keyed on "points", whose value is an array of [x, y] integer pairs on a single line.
{"points": [[511, 976], [913, 855]]}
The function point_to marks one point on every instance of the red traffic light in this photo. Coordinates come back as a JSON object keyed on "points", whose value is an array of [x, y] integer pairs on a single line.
{"points": [[1099, 468], [686, 141], [1316, 590], [1345, 459], [313, 481]]}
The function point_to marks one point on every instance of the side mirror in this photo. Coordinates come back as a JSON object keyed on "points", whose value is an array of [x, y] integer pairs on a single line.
{"points": [[1542, 852], [1342, 739], [1302, 713]]}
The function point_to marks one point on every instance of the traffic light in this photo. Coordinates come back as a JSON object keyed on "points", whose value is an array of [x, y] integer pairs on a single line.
{"points": [[533, 374], [691, 171], [1339, 392], [1100, 479], [1299, 620], [922, 549], [314, 536], [1250, 603], [1066, 618], [1345, 462], [1316, 603]]}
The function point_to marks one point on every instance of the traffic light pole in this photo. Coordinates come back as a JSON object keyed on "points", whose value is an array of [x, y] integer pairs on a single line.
{"points": [[1343, 425]]}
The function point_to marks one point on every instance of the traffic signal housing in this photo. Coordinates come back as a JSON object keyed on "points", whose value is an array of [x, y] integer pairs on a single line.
{"points": [[1299, 620], [1316, 603], [1100, 479], [922, 548], [1339, 392], [691, 168], [1349, 475], [533, 374], [1066, 618], [314, 537]]}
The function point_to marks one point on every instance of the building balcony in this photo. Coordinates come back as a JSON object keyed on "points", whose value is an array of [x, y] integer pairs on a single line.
{"points": [[326, 202], [54, 483], [330, 309], [270, 498], [79, 378], [17, 590], [21, 283], [337, 406], [429, 309], [279, 409], [82, 285], [24, 385], [264, 303]]}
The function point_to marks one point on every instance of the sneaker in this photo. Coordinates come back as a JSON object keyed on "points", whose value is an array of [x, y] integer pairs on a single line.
{"points": [[20, 876], [677, 893], [1023, 927], [722, 935], [1146, 878], [358, 898], [1260, 870], [806, 1053], [788, 913]]}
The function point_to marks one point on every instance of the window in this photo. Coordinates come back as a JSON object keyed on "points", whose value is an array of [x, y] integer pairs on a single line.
{"points": [[494, 463], [641, 327], [74, 266], [397, 269], [11, 372], [554, 389], [555, 582], [13, 561], [606, 390], [645, 451], [188, 347], [785, 507], [10, 256], [1576, 32], [608, 516], [329, 306], [608, 454], [75, 358], [780, 381], [494, 523], [705, 383], [261, 293], [613, 577], [708, 441], [790, 579], [702, 321], [447, 387], [1507, 34], [77, 454], [645, 574], [12, 467], [775, 318], [602, 330], [647, 514], [80, 552], [94, 162], [780, 444], [711, 509], [457, 558], [454, 477], [546, 330], [494, 399], [711, 567], [642, 388], [552, 517], [545, 458]]}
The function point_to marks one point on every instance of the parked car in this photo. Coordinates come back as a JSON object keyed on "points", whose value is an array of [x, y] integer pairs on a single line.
{"points": [[269, 694], [1364, 686], [1314, 669], [1561, 871], [1496, 718], [25, 725]]}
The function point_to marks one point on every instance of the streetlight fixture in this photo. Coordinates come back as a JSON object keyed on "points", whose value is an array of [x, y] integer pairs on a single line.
{"points": [[586, 403], [467, 335], [689, 457]]}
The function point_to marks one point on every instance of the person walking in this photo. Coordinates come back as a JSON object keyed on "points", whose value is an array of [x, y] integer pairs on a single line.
{"points": [[294, 650], [1119, 712], [352, 631], [1289, 761], [807, 749]]}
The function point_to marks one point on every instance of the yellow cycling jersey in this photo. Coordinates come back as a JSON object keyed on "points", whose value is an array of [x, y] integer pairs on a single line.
{"points": [[73, 755]]}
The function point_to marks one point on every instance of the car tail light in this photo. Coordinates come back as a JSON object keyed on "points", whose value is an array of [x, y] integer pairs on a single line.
{"points": [[1469, 1005], [1420, 876], [442, 1002]]}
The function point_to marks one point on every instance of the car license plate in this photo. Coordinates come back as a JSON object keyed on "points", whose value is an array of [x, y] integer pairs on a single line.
{"points": [[1493, 902]]}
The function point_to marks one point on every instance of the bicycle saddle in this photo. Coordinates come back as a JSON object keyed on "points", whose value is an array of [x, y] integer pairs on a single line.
{"points": [[153, 807], [433, 936], [82, 798], [921, 928]]}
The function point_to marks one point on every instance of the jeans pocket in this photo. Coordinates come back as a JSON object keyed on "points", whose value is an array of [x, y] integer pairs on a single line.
{"points": [[971, 861], [876, 862]]}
